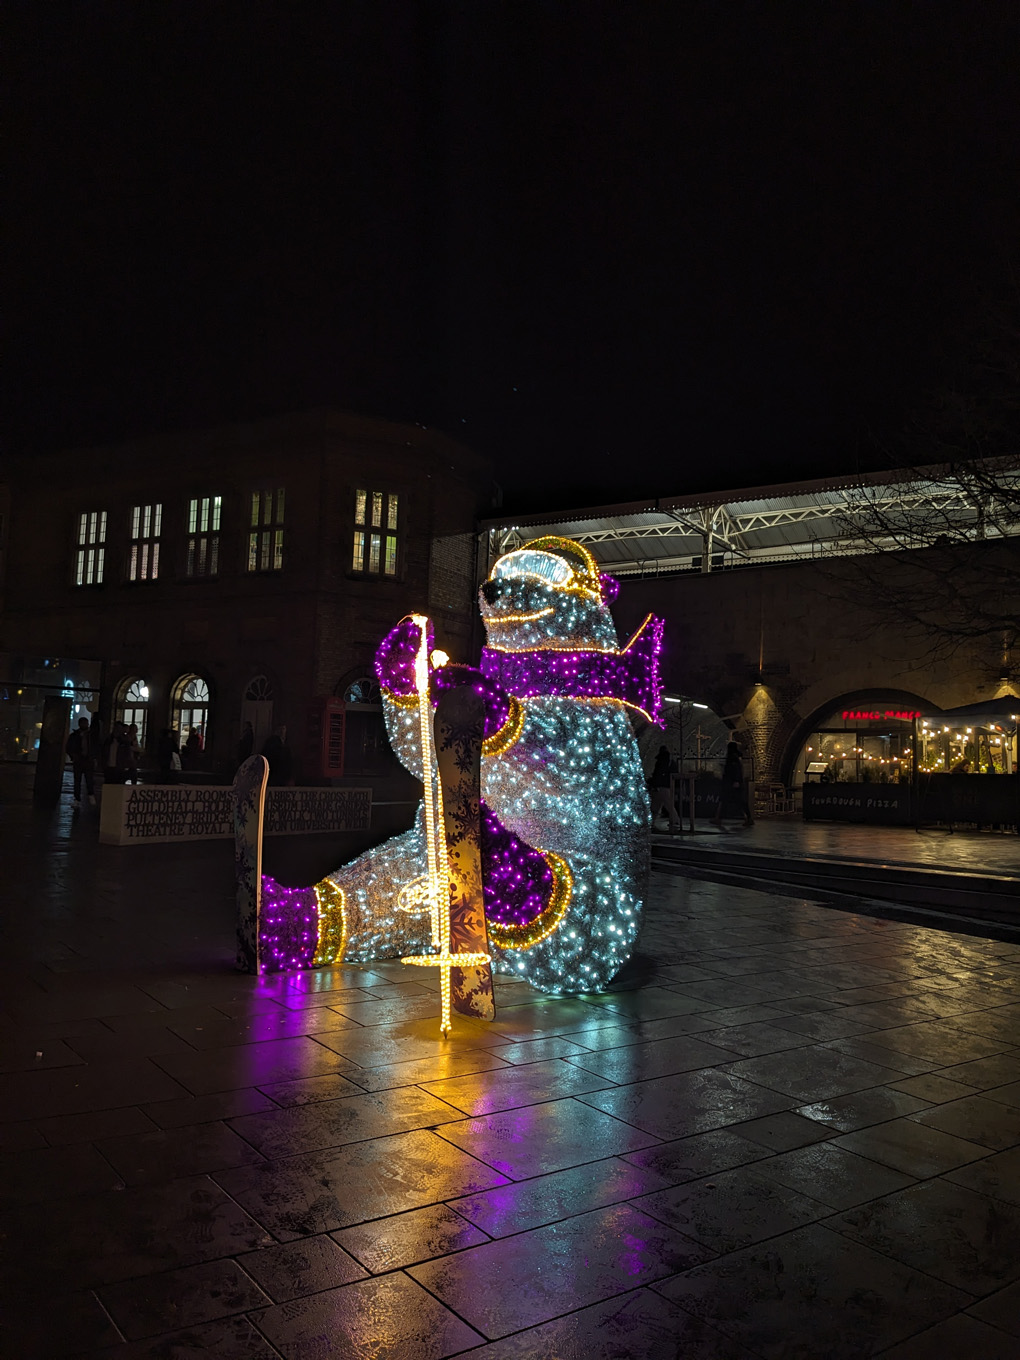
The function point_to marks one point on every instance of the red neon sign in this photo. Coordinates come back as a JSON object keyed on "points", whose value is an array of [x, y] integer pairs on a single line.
{"points": [[874, 714]]}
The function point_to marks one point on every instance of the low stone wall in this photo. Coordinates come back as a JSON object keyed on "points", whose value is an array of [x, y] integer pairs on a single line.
{"points": [[143, 814]]}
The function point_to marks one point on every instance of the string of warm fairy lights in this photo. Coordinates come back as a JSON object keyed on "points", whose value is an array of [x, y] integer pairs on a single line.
{"points": [[437, 863]]}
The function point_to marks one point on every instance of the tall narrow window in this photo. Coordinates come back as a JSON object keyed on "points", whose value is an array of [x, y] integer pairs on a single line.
{"points": [[265, 534], [146, 523], [91, 557], [376, 537], [203, 557]]}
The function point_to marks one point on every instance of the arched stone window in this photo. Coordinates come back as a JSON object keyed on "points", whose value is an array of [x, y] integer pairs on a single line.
{"points": [[366, 745], [131, 705], [189, 708]]}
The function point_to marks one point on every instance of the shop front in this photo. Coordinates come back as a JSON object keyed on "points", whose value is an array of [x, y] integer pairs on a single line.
{"points": [[910, 766]]}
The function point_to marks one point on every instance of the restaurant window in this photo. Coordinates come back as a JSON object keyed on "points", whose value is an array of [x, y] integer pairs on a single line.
{"points": [[376, 532], [91, 554], [265, 532], [143, 561], [203, 547]]}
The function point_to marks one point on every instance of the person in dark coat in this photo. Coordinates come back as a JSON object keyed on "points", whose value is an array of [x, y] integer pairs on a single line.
{"points": [[733, 795], [166, 749], [660, 790], [82, 754], [246, 745], [281, 760]]}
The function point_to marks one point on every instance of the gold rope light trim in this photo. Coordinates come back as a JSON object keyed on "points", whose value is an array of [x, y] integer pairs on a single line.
{"points": [[523, 937], [332, 923], [401, 700], [502, 739]]}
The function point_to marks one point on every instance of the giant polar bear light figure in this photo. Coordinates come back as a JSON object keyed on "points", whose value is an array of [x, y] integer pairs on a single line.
{"points": [[564, 815]]}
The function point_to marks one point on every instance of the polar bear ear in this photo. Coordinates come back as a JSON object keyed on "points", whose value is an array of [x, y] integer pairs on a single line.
{"points": [[610, 587]]}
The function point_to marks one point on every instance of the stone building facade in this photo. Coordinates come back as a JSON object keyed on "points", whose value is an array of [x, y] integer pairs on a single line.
{"points": [[239, 574]]}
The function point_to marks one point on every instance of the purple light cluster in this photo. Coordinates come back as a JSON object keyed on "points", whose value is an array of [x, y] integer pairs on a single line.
{"points": [[395, 657], [517, 881], [631, 676], [497, 701], [288, 926]]}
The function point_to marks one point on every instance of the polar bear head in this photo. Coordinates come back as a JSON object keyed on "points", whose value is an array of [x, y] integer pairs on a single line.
{"points": [[548, 594]]}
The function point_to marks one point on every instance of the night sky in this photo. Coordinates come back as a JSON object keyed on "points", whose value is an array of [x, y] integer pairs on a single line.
{"points": [[623, 249]]}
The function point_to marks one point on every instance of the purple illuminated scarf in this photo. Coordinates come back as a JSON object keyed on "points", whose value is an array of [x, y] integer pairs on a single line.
{"points": [[630, 676]]}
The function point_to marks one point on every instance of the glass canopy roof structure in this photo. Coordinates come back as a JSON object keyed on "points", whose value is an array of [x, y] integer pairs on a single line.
{"points": [[786, 523]]}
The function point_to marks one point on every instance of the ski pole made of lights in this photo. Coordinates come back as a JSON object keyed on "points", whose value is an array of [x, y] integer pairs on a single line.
{"points": [[437, 865]]}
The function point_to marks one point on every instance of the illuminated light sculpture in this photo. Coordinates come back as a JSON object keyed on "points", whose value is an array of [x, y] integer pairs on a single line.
{"points": [[564, 815]]}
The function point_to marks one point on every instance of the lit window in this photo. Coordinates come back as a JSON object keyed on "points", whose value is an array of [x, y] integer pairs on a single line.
{"points": [[143, 563], [203, 556], [265, 534], [375, 533], [91, 557]]}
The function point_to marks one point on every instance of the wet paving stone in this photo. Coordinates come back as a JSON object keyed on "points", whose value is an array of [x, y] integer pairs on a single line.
{"points": [[231, 1338], [689, 1102], [862, 1108], [122, 1234], [331, 1123], [1001, 1309], [175, 1114], [638, 1324], [163, 1155], [660, 1058], [537, 1138], [309, 1090], [783, 1131], [1006, 1095], [74, 1090], [320, 1192], [225, 1069], [689, 1159], [485, 1092], [940, 1042], [48, 1174], [933, 1089], [811, 1074], [977, 1119], [998, 1176], [732, 1209], [66, 1325], [538, 1050], [405, 1239], [832, 1174], [569, 1264], [294, 1269], [999, 1070], [440, 1067], [813, 1293], [257, 1029], [390, 1316], [558, 1195], [962, 1337], [912, 1148], [26, 1056], [181, 1298], [977, 1246]]}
